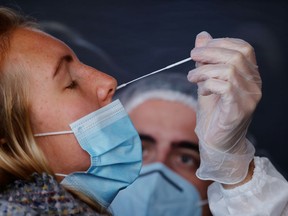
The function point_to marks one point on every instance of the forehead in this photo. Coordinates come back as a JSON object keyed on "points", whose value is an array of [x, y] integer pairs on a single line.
{"points": [[31, 38], [32, 44], [168, 115], [157, 116], [164, 108], [33, 51]]}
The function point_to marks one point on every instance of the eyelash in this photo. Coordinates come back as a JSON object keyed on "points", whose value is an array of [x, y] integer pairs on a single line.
{"points": [[72, 85]]}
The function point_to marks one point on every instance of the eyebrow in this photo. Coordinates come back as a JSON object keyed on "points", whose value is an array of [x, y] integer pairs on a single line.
{"points": [[186, 145], [147, 138], [66, 58], [181, 144]]}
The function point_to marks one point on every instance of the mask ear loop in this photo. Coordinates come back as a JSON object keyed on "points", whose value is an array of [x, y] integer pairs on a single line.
{"points": [[53, 133], [202, 203], [61, 175]]}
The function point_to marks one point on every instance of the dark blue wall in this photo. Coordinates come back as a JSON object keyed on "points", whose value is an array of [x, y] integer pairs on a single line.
{"points": [[131, 38]]}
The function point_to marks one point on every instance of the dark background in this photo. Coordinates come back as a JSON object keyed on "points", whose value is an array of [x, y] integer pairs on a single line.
{"points": [[131, 38]]}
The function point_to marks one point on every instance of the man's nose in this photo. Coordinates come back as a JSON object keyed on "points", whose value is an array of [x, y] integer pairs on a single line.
{"points": [[163, 156]]}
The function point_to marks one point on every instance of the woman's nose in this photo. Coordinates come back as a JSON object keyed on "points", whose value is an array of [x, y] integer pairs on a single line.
{"points": [[106, 89]]}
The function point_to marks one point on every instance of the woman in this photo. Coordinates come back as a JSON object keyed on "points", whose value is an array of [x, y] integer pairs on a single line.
{"points": [[45, 88]]}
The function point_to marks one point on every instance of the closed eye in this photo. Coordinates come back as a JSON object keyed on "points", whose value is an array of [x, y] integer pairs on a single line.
{"points": [[72, 85]]}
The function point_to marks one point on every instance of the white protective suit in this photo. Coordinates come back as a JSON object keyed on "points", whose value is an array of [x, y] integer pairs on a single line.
{"points": [[265, 194]]}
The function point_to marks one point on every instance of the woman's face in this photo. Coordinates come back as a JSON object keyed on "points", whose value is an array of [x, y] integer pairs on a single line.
{"points": [[61, 90]]}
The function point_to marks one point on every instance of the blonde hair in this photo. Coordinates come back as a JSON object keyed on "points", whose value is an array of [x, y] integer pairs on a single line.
{"points": [[19, 154]]}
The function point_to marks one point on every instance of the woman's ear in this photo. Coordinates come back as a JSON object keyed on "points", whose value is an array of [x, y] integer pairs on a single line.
{"points": [[2, 141]]}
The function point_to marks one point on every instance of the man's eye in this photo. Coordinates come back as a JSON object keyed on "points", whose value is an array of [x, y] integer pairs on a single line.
{"points": [[186, 159], [72, 85]]}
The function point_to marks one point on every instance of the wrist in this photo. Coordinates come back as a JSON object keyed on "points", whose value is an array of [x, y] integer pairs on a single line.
{"points": [[245, 180]]}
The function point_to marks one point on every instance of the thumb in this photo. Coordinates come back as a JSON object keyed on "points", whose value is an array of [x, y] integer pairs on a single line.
{"points": [[202, 39]]}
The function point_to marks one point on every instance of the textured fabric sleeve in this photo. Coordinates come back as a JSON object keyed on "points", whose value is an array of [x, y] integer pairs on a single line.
{"points": [[8, 208], [266, 194]]}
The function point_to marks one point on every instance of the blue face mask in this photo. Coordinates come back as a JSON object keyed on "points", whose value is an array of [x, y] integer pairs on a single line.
{"points": [[115, 151], [158, 191]]}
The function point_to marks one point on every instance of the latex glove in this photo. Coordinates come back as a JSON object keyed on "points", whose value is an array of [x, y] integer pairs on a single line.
{"points": [[229, 89]]}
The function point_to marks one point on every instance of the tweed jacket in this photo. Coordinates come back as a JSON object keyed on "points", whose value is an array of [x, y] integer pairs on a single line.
{"points": [[42, 195]]}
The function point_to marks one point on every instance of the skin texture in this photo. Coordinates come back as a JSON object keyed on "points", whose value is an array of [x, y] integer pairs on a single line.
{"points": [[166, 130], [61, 90]]}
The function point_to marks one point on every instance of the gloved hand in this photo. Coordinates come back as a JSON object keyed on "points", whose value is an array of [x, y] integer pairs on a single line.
{"points": [[229, 89]]}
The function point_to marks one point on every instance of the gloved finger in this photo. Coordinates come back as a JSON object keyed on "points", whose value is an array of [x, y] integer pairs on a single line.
{"points": [[224, 72], [218, 71], [234, 44], [227, 105], [201, 40], [213, 86], [212, 55], [224, 104], [230, 95], [227, 85]]}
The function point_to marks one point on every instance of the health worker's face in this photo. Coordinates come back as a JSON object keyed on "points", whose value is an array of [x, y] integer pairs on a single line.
{"points": [[61, 90], [167, 132]]}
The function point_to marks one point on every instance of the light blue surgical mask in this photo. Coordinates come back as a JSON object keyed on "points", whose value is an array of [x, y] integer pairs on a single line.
{"points": [[114, 146], [158, 191]]}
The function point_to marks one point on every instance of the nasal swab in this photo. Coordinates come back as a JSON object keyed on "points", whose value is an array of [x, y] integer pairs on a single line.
{"points": [[154, 72]]}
